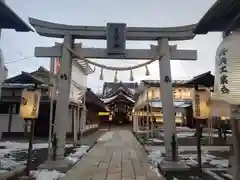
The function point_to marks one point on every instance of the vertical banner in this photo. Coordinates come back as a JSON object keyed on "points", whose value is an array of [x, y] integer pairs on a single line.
{"points": [[200, 104], [54, 72], [57, 66]]}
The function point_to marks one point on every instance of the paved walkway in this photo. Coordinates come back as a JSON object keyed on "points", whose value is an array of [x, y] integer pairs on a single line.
{"points": [[118, 156]]}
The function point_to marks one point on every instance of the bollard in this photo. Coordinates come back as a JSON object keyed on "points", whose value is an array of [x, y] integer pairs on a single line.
{"points": [[54, 144], [174, 148]]}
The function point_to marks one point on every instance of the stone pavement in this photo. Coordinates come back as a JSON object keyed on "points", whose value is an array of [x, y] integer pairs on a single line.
{"points": [[119, 157]]}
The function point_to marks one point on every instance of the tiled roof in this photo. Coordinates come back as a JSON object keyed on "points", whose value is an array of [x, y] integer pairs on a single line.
{"points": [[119, 84], [41, 76], [121, 95], [222, 16], [205, 79], [157, 82], [112, 87], [10, 20]]}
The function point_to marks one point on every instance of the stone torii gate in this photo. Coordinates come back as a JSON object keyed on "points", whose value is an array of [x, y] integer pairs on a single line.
{"points": [[116, 35]]}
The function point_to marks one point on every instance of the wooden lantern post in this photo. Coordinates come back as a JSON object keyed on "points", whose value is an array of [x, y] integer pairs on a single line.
{"points": [[29, 110]]}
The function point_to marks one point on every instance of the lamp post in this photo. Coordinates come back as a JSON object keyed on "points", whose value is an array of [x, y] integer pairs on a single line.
{"points": [[151, 118]]}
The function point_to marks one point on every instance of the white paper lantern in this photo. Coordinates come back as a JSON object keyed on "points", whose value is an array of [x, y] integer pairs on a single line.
{"points": [[227, 70]]}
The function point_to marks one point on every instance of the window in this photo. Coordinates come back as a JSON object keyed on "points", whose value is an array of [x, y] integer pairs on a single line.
{"points": [[16, 108], [4, 108]]}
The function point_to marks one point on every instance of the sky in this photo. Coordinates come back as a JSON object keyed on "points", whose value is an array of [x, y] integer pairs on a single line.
{"points": [[140, 13]]}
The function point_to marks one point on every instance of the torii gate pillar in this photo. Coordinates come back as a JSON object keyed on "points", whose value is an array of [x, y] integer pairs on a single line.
{"points": [[167, 98], [63, 97]]}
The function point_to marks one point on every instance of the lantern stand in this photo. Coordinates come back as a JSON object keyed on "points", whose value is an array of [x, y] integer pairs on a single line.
{"points": [[199, 130], [31, 126]]}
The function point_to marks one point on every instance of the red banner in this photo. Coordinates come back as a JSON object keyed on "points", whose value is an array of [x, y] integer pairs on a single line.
{"points": [[57, 66]]}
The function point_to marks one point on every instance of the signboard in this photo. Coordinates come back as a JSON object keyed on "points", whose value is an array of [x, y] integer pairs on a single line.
{"points": [[30, 101], [200, 104], [116, 38], [223, 71], [103, 113]]}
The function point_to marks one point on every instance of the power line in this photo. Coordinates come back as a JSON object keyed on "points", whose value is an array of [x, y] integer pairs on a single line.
{"points": [[18, 60]]}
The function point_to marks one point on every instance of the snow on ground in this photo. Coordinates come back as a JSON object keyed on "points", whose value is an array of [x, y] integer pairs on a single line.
{"points": [[186, 134], [205, 149], [228, 176], [154, 169], [8, 163], [55, 175], [47, 175], [156, 155], [10, 147], [17, 146], [74, 157], [156, 140], [106, 137]]}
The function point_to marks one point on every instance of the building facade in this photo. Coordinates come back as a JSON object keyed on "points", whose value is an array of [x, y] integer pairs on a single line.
{"points": [[190, 103], [13, 125]]}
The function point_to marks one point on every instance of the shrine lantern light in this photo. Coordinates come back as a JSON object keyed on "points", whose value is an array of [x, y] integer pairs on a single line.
{"points": [[227, 70], [30, 101]]}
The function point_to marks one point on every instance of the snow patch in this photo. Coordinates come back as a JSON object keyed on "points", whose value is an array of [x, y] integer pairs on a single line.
{"points": [[156, 140], [47, 175], [228, 176], [9, 163], [106, 137], [74, 157], [155, 156]]}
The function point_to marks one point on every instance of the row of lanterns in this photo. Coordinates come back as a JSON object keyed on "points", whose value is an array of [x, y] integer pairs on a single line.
{"points": [[131, 78]]}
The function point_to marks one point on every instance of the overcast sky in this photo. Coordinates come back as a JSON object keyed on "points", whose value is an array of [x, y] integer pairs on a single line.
{"points": [[151, 13]]}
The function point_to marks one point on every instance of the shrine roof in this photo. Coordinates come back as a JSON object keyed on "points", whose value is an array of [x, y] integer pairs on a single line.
{"points": [[26, 78], [113, 98], [123, 90], [112, 88], [205, 79], [10, 20], [91, 97], [223, 15]]}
